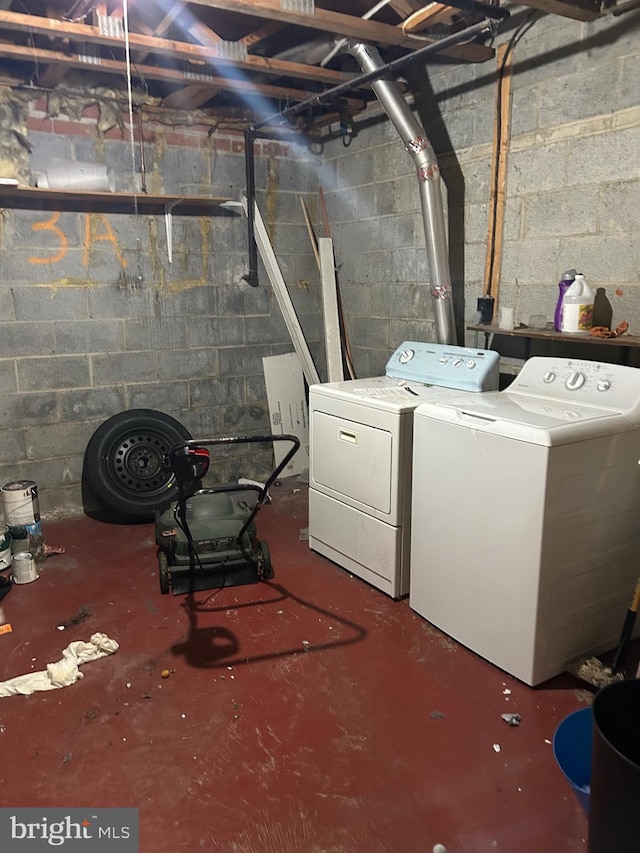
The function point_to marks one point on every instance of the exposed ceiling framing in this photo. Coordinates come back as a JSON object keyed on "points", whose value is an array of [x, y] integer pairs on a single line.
{"points": [[249, 58]]}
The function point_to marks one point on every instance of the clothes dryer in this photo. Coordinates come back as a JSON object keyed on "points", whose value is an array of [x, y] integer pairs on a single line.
{"points": [[525, 539], [360, 444]]}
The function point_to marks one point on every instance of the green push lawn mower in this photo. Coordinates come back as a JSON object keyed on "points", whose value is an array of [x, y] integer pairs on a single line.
{"points": [[207, 538]]}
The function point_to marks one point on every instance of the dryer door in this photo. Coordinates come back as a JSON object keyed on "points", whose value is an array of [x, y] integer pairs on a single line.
{"points": [[353, 460]]}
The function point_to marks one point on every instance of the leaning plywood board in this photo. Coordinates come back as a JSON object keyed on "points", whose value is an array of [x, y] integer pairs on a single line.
{"points": [[333, 344], [282, 295], [287, 408]]}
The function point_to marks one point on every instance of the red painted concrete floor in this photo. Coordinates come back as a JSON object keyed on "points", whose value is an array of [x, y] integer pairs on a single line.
{"points": [[308, 714]]}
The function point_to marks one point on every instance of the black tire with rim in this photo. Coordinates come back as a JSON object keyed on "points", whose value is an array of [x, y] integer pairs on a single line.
{"points": [[125, 462]]}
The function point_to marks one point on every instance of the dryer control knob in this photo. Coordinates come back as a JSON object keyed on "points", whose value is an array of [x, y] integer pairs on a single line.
{"points": [[604, 385], [575, 381], [406, 356], [549, 376], [471, 364], [457, 362]]}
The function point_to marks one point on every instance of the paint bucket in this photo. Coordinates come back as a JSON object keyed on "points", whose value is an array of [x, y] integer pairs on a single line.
{"points": [[22, 532], [615, 796], [5, 547], [20, 500], [24, 568], [572, 751]]}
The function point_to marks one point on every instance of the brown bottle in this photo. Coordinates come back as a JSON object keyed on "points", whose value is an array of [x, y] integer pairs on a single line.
{"points": [[602, 310]]}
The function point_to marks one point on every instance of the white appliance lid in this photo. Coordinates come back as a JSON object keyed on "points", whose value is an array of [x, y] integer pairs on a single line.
{"points": [[382, 392], [537, 420]]}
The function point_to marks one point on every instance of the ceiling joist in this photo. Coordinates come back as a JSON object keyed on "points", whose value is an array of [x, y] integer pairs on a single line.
{"points": [[86, 34], [246, 90], [244, 56]]}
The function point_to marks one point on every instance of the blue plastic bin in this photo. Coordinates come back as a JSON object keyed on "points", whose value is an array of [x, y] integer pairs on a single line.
{"points": [[572, 751]]}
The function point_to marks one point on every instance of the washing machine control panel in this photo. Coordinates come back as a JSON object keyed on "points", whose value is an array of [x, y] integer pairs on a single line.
{"points": [[595, 383], [462, 368]]}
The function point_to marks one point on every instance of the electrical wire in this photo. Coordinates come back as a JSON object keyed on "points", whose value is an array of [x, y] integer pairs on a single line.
{"points": [[524, 27]]}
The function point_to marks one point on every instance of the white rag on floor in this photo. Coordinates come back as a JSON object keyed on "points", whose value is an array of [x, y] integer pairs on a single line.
{"points": [[64, 672]]}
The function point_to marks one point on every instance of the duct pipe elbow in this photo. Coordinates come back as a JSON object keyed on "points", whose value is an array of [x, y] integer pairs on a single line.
{"points": [[418, 146]]}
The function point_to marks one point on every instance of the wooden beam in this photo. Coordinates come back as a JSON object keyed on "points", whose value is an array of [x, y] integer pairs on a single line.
{"points": [[579, 10], [332, 340], [404, 8], [344, 334], [282, 295], [497, 200], [165, 24], [166, 47], [428, 16], [331, 22], [151, 72], [52, 75], [253, 39], [312, 234], [162, 28], [203, 34], [188, 98]]}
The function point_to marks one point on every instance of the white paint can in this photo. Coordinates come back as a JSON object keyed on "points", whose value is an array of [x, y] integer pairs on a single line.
{"points": [[24, 569], [5, 547], [21, 505]]}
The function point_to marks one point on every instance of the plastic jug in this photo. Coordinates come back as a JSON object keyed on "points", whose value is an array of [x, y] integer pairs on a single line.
{"points": [[564, 284], [577, 307]]}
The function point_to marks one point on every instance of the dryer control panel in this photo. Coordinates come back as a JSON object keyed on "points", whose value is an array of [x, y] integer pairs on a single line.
{"points": [[592, 383], [445, 365]]}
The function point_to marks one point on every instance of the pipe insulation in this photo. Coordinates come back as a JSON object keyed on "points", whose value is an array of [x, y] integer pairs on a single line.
{"points": [[418, 146]]}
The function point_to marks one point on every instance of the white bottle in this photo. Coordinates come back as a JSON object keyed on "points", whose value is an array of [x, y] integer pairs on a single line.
{"points": [[577, 308]]}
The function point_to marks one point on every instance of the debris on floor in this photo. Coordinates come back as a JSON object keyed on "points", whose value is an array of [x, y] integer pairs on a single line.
{"points": [[77, 619], [65, 671], [512, 719]]}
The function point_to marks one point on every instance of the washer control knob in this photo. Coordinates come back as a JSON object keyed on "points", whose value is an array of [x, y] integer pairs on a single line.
{"points": [[471, 364], [549, 376], [443, 360], [406, 356], [457, 362], [604, 385], [575, 381]]}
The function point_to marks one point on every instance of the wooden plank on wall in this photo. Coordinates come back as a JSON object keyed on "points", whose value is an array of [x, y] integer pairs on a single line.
{"points": [[282, 296], [332, 340], [497, 200]]}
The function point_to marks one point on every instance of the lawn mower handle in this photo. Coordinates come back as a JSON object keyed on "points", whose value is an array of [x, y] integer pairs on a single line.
{"points": [[247, 439]]}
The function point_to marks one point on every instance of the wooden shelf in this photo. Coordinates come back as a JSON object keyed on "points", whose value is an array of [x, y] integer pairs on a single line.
{"points": [[552, 336], [48, 199]]}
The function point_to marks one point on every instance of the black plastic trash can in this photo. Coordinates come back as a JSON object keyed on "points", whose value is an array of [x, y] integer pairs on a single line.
{"points": [[614, 817]]}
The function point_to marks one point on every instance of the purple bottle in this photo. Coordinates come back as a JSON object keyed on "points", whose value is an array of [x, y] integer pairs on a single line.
{"points": [[565, 282]]}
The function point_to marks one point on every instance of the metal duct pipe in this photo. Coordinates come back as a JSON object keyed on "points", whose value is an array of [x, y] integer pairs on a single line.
{"points": [[415, 140]]}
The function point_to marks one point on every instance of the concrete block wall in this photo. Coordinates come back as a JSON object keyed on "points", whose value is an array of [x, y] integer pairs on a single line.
{"points": [[94, 319], [573, 184]]}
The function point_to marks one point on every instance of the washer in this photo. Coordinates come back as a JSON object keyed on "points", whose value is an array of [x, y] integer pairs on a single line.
{"points": [[360, 442], [526, 534]]}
